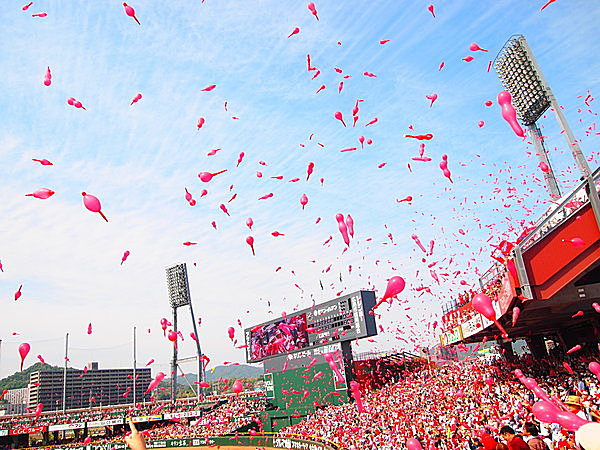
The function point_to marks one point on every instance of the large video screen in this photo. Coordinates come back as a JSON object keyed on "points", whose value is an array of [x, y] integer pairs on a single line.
{"points": [[283, 336]]}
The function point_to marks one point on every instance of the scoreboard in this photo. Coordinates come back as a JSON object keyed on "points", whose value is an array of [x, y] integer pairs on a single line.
{"points": [[343, 319]]}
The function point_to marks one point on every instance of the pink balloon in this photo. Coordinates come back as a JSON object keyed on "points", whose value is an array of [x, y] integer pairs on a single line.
{"points": [[474, 47], [311, 7], [92, 204], [595, 369], [309, 170], [231, 332], [343, 228], [548, 413], [333, 366], [250, 242], [237, 386], [350, 225], [515, 317], [249, 222], [413, 444], [207, 176], [431, 9], [89, 328], [355, 389], [544, 167], [172, 336], [193, 336], [125, 256], [294, 31], [394, 287], [483, 305], [338, 116], [48, 77], [596, 307], [303, 200], [154, 383], [23, 352], [509, 113], [481, 124], [136, 99], [41, 194], [361, 139]]}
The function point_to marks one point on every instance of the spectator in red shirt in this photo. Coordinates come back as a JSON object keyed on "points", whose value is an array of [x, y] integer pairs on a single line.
{"points": [[514, 441]]}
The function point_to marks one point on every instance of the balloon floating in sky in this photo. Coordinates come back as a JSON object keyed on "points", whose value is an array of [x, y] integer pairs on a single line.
{"points": [[130, 12], [48, 77], [237, 386], [312, 8], [431, 9], [432, 97], [201, 122], [474, 48], [481, 124], [294, 31], [93, 204], [154, 383], [43, 162], [207, 176], [23, 352], [125, 256], [136, 99], [468, 58], [41, 193], [303, 200], [249, 222], [394, 287], [509, 113], [343, 228], [25, 8], [250, 242], [483, 305], [76, 103], [338, 116], [18, 293], [444, 167]]}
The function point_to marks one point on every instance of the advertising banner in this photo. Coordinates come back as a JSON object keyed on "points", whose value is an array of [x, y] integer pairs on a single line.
{"points": [[27, 430], [181, 415], [472, 326], [454, 335], [104, 423], [507, 293], [147, 418], [66, 426]]}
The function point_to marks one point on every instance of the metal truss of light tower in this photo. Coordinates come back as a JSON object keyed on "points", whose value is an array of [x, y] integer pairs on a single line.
{"points": [[522, 77], [179, 295]]}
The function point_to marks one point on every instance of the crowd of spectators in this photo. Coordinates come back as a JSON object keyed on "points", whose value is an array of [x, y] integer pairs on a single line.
{"points": [[462, 310], [459, 406], [114, 412]]}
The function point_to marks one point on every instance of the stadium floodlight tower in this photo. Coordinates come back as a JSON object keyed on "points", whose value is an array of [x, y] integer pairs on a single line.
{"points": [[179, 295], [531, 96]]}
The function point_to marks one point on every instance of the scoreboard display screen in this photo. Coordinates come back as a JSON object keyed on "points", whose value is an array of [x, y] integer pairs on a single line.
{"points": [[343, 319]]}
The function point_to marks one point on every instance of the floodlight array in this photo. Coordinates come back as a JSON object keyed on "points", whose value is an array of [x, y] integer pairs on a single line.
{"points": [[518, 74], [177, 284]]}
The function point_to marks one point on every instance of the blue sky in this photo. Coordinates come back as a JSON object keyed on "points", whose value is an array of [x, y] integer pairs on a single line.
{"points": [[138, 160]]}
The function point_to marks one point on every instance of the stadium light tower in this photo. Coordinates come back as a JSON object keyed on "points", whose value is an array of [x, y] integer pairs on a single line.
{"points": [[523, 79], [179, 295]]}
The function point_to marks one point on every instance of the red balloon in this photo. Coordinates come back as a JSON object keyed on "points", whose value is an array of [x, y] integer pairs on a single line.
{"points": [[483, 305]]}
